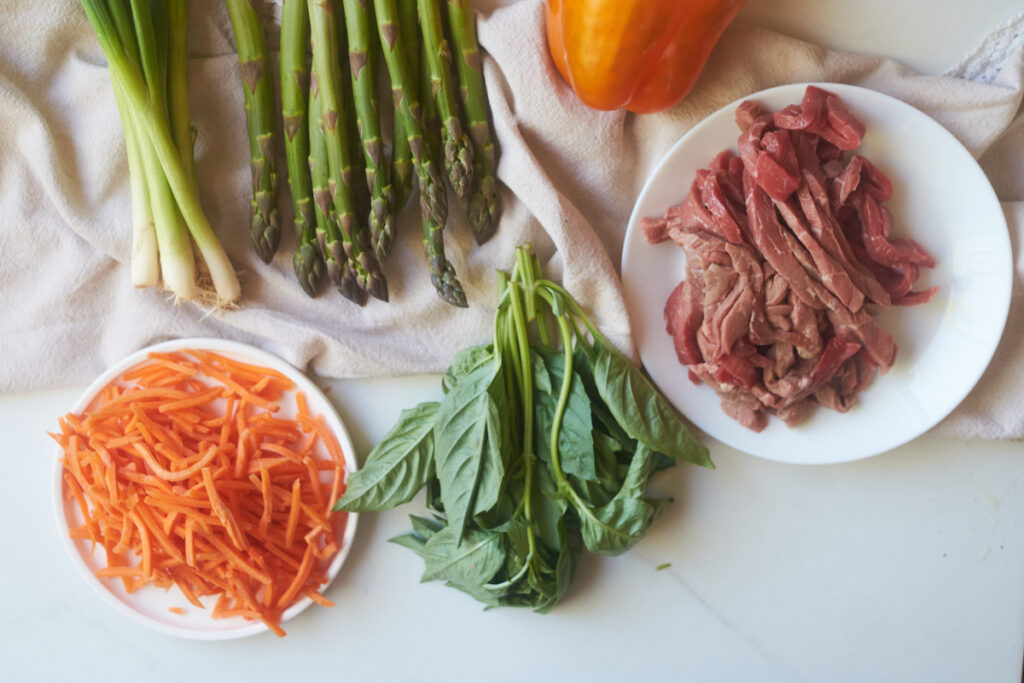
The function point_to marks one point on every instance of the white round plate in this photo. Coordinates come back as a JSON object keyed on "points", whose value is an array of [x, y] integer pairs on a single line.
{"points": [[942, 199], [149, 605]]}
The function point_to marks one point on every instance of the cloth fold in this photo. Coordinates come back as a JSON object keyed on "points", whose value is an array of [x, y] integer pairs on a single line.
{"points": [[570, 176]]}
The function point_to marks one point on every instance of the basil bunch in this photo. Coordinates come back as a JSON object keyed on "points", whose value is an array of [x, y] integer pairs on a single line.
{"points": [[542, 445]]}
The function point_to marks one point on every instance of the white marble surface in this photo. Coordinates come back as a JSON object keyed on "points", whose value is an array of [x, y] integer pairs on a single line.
{"points": [[904, 567]]}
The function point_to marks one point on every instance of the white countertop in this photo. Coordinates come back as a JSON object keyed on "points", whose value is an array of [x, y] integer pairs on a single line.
{"points": [[904, 567]]}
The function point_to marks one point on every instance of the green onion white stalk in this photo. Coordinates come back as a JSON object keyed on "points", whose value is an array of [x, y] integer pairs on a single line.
{"points": [[127, 36]]}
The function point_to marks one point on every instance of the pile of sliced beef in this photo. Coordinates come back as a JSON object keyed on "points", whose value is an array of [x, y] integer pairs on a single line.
{"points": [[789, 254]]}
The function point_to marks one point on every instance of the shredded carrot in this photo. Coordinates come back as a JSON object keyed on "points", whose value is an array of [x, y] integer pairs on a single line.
{"points": [[317, 598], [174, 470], [293, 512], [300, 578]]}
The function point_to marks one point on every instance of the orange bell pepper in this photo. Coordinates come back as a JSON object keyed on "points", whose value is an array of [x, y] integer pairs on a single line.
{"points": [[644, 55]]}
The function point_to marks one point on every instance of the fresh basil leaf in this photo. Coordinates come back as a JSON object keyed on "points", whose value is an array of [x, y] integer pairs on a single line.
{"points": [[618, 525], [517, 542], [500, 515], [642, 412], [542, 381], [547, 507], [544, 585], [604, 421], [543, 417], [413, 542], [662, 462], [492, 464], [426, 526], [575, 438], [466, 361], [461, 454], [609, 478], [434, 494], [422, 529], [397, 467], [465, 561], [565, 566]]}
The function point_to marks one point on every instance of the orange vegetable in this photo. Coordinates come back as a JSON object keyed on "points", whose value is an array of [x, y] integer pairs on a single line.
{"points": [[644, 55], [176, 479]]}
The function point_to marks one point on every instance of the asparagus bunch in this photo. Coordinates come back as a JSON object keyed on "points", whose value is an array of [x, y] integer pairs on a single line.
{"points": [[362, 57], [144, 45], [363, 264], [442, 273], [433, 195], [251, 41], [347, 192], [328, 235]]}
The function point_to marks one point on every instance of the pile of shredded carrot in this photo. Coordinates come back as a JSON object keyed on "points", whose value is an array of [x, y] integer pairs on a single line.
{"points": [[186, 477]]}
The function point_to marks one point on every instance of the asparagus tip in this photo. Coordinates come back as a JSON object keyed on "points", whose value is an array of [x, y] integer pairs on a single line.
{"points": [[309, 268], [352, 291], [448, 287], [378, 287]]}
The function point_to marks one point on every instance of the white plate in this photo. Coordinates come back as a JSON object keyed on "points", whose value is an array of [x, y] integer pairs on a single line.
{"points": [[942, 199], [149, 605]]}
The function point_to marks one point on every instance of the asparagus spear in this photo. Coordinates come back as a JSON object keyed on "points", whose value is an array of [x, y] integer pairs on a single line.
{"points": [[328, 236], [401, 153], [309, 266], [432, 190], [484, 207], [433, 200], [442, 274], [353, 166], [326, 67], [362, 55], [401, 170], [264, 230], [431, 116], [458, 150]]}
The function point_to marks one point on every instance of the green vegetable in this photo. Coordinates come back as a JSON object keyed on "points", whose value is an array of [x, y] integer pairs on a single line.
{"points": [[484, 207], [258, 89], [328, 236], [395, 40], [399, 466], [144, 52], [308, 263], [442, 273], [402, 171], [542, 445], [458, 150], [363, 53], [328, 75]]}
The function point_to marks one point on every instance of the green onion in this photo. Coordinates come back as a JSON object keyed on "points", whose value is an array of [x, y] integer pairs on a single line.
{"points": [[145, 53]]}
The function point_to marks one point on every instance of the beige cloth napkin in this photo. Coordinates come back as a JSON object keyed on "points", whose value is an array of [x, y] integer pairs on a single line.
{"points": [[570, 175]]}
